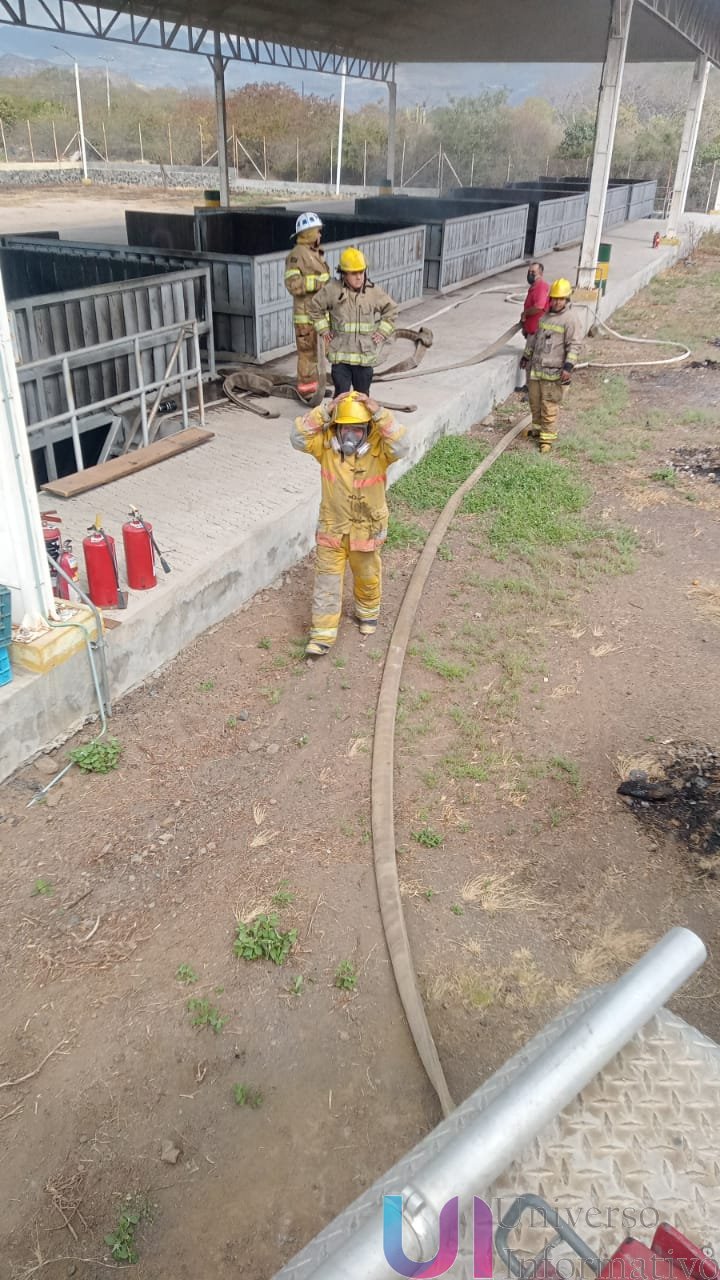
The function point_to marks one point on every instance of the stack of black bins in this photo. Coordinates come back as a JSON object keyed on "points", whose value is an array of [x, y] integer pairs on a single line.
{"points": [[555, 218], [461, 245]]}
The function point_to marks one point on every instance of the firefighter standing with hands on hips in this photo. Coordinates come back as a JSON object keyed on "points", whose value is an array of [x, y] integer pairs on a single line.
{"points": [[306, 271], [551, 354], [355, 440], [355, 318]]}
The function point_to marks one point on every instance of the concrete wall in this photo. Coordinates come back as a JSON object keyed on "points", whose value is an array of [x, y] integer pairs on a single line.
{"points": [[179, 178]]}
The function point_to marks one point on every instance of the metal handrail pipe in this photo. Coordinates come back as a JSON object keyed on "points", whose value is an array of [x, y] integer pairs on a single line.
{"points": [[469, 1162]]}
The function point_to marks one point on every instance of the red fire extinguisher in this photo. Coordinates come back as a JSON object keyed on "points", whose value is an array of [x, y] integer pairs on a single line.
{"points": [[102, 569], [53, 542], [140, 550], [69, 563]]}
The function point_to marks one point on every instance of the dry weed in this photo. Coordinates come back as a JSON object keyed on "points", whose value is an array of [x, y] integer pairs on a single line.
{"points": [[602, 650], [707, 598], [259, 812], [262, 838], [612, 950], [625, 765], [499, 893], [247, 910]]}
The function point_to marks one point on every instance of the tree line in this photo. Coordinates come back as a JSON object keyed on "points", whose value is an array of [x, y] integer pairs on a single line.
{"points": [[278, 133]]}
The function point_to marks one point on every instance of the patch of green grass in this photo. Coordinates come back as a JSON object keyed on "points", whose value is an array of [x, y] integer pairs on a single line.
{"points": [[427, 837], [185, 974], [346, 978], [264, 643], [404, 534], [261, 939], [690, 417], [245, 1095], [296, 649], [457, 910], [565, 770], [666, 475], [283, 896], [298, 986], [206, 686], [206, 1014], [279, 661], [429, 484], [97, 757], [429, 779], [42, 888], [445, 552], [459, 768], [340, 662], [273, 693], [530, 501], [435, 662], [231, 722]]}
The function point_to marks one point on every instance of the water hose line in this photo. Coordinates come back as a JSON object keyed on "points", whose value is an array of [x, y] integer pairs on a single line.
{"points": [[383, 817]]}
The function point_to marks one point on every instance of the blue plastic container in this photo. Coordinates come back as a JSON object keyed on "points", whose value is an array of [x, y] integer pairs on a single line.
{"points": [[5, 615], [5, 668]]}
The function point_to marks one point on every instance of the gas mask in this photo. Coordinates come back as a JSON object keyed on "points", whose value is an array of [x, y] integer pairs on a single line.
{"points": [[351, 438]]}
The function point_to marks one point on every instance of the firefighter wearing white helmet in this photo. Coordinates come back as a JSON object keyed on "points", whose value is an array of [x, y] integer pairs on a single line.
{"points": [[355, 318], [306, 271], [551, 354], [355, 440]]}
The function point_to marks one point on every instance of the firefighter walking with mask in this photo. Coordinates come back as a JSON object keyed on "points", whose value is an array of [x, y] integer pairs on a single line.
{"points": [[551, 354], [306, 272], [355, 440], [354, 318]]}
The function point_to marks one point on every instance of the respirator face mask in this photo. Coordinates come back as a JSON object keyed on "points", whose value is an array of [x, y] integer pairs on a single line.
{"points": [[351, 439]]}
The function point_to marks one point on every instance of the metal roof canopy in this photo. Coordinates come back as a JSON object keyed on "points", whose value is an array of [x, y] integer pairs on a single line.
{"points": [[287, 33]]}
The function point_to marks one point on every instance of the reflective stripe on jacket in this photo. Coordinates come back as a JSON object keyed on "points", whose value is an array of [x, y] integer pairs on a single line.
{"points": [[556, 344], [306, 271], [352, 317], [352, 498]]}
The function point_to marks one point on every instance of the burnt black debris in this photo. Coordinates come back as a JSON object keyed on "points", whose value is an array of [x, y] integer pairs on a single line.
{"points": [[704, 461], [682, 798]]}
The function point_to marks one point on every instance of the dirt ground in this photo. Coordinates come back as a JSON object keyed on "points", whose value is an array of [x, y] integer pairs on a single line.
{"points": [[570, 630]]}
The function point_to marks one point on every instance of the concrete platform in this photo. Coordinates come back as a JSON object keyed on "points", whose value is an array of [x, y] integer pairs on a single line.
{"points": [[233, 515]]}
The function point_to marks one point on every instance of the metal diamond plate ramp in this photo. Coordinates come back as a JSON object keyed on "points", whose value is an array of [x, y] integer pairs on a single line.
{"points": [[639, 1145]]}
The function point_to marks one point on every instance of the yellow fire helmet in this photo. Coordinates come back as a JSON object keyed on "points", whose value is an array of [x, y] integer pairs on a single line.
{"points": [[351, 411], [561, 288], [352, 260]]}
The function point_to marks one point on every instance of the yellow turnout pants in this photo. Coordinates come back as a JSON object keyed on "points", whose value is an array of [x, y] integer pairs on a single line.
{"points": [[308, 374], [330, 562], [545, 400]]}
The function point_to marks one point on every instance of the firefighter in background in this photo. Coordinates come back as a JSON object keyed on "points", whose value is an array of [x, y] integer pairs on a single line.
{"points": [[355, 318], [551, 354], [354, 440], [306, 271]]}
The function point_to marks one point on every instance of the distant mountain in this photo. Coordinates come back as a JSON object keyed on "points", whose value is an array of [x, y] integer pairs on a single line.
{"points": [[432, 84]]}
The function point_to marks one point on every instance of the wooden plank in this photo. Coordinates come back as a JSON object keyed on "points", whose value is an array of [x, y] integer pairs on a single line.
{"points": [[117, 468]]}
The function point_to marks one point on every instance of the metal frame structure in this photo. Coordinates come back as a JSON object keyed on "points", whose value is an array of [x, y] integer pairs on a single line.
{"points": [[79, 18], [118, 373]]}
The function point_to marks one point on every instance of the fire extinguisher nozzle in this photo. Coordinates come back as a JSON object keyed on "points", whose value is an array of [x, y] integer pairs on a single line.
{"points": [[165, 565]]}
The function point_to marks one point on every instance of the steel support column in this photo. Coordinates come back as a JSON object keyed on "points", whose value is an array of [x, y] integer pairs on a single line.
{"points": [[392, 130], [687, 145], [607, 112], [23, 562], [219, 63]]}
